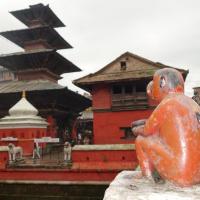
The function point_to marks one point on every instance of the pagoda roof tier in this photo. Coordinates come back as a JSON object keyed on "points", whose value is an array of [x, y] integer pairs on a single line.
{"points": [[28, 85], [40, 59], [38, 12], [45, 33], [59, 98]]}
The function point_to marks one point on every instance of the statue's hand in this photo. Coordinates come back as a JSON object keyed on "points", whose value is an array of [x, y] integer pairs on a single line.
{"points": [[138, 130], [137, 127], [138, 122]]}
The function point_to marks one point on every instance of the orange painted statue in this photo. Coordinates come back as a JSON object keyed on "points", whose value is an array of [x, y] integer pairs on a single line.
{"points": [[168, 143]]}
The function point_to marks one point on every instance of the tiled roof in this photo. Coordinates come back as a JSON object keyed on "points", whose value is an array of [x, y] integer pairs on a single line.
{"points": [[137, 68], [43, 94], [18, 86]]}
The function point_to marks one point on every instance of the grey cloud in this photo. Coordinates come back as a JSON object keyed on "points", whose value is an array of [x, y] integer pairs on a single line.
{"points": [[101, 30]]}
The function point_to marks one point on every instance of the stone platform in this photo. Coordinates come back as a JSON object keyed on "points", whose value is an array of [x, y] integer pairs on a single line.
{"points": [[128, 186]]}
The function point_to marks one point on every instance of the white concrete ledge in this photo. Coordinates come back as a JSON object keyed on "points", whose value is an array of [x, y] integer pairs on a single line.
{"points": [[104, 147], [3, 148], [55, 182]]}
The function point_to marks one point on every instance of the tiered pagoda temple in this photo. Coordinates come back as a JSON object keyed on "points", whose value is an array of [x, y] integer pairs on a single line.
{"points": [[37, 69]]}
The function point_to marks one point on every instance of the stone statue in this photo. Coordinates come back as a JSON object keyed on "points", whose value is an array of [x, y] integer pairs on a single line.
{"points": [[14, 152], [168, 143], [36, 151], [67, 152]]}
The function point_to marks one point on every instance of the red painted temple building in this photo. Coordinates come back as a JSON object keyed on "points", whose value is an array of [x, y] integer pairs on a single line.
{"points": [[38, 68], [119, 96]]}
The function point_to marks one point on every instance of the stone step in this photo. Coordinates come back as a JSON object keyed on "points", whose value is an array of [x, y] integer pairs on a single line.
{"points": [[52, 191], [36, 197]]}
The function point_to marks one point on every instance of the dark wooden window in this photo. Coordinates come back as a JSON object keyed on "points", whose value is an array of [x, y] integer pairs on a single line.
{"points": [[128, 89], [141, 87], [117, 89], [129, 96], [123, 65]]}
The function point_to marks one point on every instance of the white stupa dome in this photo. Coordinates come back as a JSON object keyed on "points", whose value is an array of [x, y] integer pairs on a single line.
{"points": [[23, 108], [23, 114]]}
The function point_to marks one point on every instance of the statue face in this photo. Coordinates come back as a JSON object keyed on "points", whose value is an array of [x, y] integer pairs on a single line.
{"points": [[165, 81]]}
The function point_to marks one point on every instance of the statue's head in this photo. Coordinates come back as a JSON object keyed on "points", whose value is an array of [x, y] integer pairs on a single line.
{"points": [[10, 145], [165, 81]]}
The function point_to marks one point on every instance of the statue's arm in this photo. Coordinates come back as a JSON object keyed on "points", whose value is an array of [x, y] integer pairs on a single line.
{"points": [[154, 122]]}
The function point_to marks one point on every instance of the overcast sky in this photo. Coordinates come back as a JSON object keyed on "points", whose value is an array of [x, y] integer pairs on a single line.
{"points": [[101, 30]]}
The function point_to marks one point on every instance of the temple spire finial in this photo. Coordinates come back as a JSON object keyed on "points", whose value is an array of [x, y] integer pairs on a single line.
{"points": [[23, 94]]}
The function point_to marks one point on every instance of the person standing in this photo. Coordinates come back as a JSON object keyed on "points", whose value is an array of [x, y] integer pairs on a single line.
{"points": [[67, 151]]}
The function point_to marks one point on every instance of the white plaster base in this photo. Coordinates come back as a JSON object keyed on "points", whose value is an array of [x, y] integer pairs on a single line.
{"points": [[127, 186]]}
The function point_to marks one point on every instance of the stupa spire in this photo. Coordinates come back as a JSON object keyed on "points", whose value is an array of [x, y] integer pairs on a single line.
{"points": [[23, 94]]}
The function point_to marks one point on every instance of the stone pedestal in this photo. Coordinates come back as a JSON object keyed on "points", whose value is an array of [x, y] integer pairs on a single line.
{"points": [[128, 186]]}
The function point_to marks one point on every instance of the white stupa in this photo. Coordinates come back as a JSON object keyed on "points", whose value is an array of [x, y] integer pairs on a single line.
{"points": [[23, 115]]}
